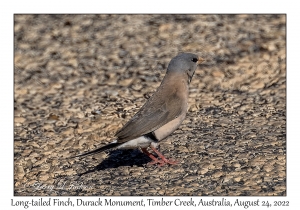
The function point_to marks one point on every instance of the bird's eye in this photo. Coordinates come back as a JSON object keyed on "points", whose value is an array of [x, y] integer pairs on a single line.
{"points": [[195, 60]]}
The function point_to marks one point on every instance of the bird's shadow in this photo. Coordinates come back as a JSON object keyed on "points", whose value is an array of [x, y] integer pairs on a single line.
{"points": [[119, 158]]}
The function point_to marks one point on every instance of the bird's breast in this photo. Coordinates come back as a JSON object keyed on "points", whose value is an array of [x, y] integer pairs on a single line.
{"points": [[170, 127]]}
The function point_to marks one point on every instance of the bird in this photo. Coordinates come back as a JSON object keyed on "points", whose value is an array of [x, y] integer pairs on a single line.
{"points": [[162, 113]]}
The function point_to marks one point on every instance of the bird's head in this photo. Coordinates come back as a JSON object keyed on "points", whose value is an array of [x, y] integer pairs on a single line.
{"points": [[185, 63]]}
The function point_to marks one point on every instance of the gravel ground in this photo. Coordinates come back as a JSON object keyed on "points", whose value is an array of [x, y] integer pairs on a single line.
{"points": [[79, 78]]}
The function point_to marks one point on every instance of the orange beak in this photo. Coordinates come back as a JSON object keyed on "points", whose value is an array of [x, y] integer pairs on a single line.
{"points": [[200, 60]]}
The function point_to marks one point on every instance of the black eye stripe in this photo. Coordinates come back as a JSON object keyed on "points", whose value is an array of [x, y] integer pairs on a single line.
{"points": [[195, 60]]}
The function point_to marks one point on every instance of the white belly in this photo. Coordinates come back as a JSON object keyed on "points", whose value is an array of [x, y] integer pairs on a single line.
{"points": [[140, 142]]}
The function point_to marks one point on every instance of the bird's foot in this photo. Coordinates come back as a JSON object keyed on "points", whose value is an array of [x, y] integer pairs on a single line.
{"points": [[163, 158], [161, 162], [157, 161], [170, 161]]}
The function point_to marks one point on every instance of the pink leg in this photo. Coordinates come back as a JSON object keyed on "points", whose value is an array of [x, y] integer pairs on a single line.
{"points": [[164, 159], [155, 160]]}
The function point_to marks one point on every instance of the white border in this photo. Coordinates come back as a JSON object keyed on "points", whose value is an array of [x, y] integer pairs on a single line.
{"points": [[154, 6]]}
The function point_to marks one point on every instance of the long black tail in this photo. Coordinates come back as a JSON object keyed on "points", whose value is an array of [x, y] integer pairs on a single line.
{"points": [[101, 149]]}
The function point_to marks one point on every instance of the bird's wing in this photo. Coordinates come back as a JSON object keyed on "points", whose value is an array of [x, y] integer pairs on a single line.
{"points": [[154, 114]]}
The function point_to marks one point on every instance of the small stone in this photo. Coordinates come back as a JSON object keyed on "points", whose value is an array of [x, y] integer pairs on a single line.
{"points": [[217, 174], [43, 177], [126, 82], [203, 171], [20, 173], [73, 62], [19, 119], [126, 193], [237, 179]]}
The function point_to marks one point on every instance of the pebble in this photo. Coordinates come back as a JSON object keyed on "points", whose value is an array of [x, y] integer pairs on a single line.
{"points": [[19, 120]]}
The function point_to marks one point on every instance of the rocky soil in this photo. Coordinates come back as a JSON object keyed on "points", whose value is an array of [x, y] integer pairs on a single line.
{"points": [[79, 78]]}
